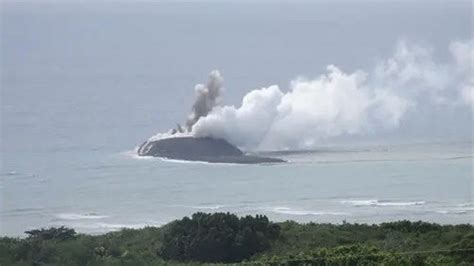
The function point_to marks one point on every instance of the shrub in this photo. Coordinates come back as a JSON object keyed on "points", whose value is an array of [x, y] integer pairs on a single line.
{"points": [[406, 226], [61, 233]]}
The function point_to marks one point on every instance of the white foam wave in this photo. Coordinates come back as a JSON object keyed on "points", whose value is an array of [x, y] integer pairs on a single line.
{"points": [[107, 227], [196, 162], [381, 203], [10, 173], [459, 209], [452, 212], [76, 216], [211, 207], [114, 226], [466, 205], [181, 161], [290, 211], [134, 155]]}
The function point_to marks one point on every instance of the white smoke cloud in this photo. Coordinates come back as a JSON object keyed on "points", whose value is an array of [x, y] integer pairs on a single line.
{"points": [[339, 103], [244, 126], [333, 104]]}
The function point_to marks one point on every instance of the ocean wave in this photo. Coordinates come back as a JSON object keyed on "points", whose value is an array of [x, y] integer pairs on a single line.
{"points": [[202, 206], [210, 207], [463, 208], [181, 161], [290, 211], [382, 203], [10, 173], [18, 175], [108, 227], [21, 211], [164, 159], [76, 216], [466, 205], [134, 155], [452, 212], [114, 226], [460, 157]]}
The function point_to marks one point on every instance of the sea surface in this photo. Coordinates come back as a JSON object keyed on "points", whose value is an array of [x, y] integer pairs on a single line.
{"points": [[83, 84], [96, 191]]}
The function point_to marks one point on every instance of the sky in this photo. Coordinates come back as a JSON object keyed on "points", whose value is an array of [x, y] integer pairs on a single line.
{"points": [[134, 66]]}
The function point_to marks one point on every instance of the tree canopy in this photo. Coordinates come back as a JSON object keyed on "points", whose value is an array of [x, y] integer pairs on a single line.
{"points": [[219, 237]]}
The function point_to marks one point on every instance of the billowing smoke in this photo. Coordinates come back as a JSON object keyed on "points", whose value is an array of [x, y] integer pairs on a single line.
{"points": [[206, 98], [333, 104], [337, 103]]}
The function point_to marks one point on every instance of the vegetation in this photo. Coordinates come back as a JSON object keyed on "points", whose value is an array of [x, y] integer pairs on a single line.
{"points": [[224, 237], [217, 237]]}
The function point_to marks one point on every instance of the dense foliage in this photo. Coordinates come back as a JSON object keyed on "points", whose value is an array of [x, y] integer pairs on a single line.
{"points": [[360, 255], [220, 237], [61, 233], [224, 237]]}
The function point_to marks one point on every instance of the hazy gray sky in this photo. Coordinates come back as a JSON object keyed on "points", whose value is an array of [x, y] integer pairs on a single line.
{"points": [[133, 66]]}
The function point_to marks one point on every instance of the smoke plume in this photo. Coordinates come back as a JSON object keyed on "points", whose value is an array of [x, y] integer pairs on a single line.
{"points": [[337, 103], [206, 98]]}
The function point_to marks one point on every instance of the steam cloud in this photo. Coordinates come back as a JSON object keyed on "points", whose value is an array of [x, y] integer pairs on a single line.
{"points": [[336, 103]]}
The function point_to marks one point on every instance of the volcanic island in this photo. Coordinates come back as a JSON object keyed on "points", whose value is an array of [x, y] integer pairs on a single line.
{"points": [[180, 144], [204, 149]]}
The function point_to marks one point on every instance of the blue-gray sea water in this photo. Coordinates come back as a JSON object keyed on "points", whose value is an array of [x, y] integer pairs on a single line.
{"points": [[84, 83], [93, 190]]}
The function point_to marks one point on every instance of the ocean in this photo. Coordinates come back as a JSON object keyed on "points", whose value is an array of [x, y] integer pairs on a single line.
{"points": [[84, 84], [95, 191]]}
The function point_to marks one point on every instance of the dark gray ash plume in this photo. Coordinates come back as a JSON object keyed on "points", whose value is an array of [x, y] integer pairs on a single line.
{"points": [[207, 97]]}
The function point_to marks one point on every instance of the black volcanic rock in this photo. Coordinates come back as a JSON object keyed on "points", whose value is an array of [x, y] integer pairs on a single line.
{"points": [[200, 149]]}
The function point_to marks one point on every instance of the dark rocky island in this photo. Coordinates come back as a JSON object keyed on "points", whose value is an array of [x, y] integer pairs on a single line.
{"points": [[200, 149]]}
